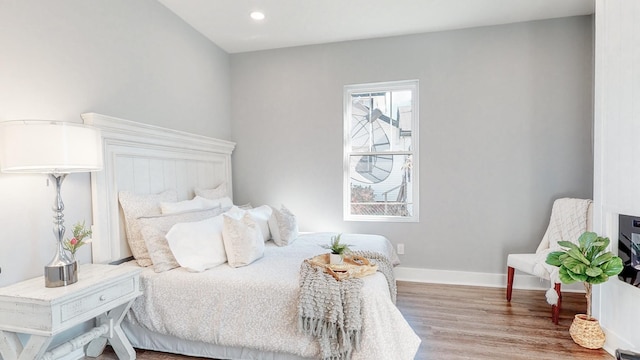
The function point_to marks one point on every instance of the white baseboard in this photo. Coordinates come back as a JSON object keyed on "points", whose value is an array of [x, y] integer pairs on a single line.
{"points": [[521, 281], [614, 342]]}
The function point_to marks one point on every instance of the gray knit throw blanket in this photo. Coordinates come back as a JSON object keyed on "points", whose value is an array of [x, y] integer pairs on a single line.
{"points": [[384, 266], [331, 310]]}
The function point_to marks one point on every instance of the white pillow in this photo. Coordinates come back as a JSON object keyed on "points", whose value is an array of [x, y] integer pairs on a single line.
{"points": [[260, 215], [134, 206], [246, 206], [243, 242], [283, 226], [154, 229], [216, 193], [224, 202], [197, 203], [198, 246]]}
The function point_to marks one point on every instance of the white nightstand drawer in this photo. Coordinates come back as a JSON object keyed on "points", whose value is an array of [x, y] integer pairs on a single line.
{"points": [[97, 299]]}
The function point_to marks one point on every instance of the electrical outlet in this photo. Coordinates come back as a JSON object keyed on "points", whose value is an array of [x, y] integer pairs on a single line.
{"points": [[400, 249]]}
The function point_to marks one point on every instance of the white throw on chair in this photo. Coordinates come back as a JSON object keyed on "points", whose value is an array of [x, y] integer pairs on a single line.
{"points": [[569, 219]]}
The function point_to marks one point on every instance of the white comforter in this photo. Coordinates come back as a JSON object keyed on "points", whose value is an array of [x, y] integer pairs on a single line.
{"points": [[256, 306]]}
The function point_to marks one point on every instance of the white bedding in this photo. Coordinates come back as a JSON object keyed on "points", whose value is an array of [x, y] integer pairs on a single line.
{"points": [[255, 307]]}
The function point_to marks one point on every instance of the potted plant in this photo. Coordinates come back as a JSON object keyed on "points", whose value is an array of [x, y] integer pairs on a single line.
{"points": [[338, 250], [590, 263], [80, 232]]}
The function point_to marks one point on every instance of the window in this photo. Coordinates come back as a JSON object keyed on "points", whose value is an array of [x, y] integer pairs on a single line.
{"points": [[381, 151]]}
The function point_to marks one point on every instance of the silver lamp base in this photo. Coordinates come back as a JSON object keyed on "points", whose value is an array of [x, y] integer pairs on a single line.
{"points": [[62, 270], [56, 275]]}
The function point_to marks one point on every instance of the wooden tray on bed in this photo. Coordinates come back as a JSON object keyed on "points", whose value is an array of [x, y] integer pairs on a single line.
{"points": [[352, 266]]}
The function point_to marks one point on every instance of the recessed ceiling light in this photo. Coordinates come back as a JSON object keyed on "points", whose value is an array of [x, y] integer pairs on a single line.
{"points": [[257, 15]]}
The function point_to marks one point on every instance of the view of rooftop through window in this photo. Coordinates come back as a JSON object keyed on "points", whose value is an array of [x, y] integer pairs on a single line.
{"points": [[380, 151]]}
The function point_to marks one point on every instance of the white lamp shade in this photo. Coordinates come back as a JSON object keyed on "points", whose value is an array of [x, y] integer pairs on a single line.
{"points": [[33, 146]]}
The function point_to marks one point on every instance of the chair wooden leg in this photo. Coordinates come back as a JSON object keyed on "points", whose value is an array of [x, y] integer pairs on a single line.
{"points": [[555, 309], [510, 272]]}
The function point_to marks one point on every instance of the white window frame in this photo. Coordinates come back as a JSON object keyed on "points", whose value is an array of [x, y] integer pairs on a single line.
{"points": [[415, 181]]}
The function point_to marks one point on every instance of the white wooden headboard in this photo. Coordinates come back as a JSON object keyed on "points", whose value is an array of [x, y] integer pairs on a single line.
{"points": [[147, 159]]}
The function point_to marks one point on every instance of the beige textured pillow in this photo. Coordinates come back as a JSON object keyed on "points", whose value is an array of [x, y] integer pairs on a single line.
{"points": [[283, 226], [159, 251], [155, 228], [134, 206], [213, 194], [260, 215], [243, 241]]}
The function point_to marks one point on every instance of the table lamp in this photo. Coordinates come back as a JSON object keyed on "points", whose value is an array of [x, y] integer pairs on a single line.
{"points": [[57, 149]]}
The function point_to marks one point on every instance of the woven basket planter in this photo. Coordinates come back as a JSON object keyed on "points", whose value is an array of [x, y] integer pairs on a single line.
{"points": [[586, 333]]}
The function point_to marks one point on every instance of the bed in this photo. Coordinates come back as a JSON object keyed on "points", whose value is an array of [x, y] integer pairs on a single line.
{"points": [[224, 312]]}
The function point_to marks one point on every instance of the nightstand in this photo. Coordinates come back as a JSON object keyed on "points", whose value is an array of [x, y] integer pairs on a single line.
{"points": [[103, 292]]}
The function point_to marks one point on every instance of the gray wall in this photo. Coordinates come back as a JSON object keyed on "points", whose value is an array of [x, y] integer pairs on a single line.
{"points": [[130, 59], [505, 128]]}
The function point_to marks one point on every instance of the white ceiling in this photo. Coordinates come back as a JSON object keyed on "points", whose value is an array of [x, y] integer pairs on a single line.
{"points": [[304, 22]]}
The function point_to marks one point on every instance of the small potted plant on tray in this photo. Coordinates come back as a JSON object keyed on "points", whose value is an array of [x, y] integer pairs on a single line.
{"points": [[338, 250], [590, 263]]}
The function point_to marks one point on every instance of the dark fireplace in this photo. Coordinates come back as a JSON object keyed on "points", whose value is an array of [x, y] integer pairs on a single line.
{"points": [[629, 248]]}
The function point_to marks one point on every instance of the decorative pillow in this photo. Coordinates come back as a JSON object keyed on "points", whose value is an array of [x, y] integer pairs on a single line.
{"points": [[246, 206], [242, 240], [198, 246], [213, 194], [134, 206], [224, 202], [159, 251], [197, 203], [260, 215], [283, 226]]}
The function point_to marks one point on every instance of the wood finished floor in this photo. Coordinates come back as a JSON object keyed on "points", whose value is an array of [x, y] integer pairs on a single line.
{"points": [[465, 322]]}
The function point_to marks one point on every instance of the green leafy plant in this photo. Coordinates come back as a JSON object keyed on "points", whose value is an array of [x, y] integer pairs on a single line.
{"points": [[587, 262], [337, 247]]}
